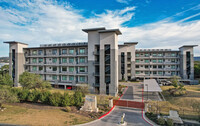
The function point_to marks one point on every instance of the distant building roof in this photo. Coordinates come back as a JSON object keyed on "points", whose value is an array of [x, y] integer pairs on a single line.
{"points": [[188, 46], [130, 43], [93, 29], [10, 42]]}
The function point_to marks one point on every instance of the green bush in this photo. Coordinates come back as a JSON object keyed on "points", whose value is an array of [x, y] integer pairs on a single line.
{"points": [[55, 99], [68, 109], [170, 122], [78, 98], [16, 91], [65, 100], [44, 96], [161, 121], [23, 94], [33, 96]]}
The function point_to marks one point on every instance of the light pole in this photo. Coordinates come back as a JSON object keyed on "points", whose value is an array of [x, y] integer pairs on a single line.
{"points": [[147, 92]]}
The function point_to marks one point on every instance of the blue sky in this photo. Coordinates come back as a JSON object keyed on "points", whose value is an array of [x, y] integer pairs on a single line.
{"points": [[153, 23]]}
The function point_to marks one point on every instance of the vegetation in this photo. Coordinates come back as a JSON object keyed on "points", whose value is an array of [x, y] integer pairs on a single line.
{"points": [[6, 80], [33, 81], [178, 89], [197, 69], [84, 89], [6, 96], [120, 89], [78, 99], [161, 121]]}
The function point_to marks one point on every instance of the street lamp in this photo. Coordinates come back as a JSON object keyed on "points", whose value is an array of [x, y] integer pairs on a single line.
{"points": [[147, 92]]}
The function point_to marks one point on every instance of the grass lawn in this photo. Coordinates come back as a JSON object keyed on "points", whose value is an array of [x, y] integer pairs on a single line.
{"points": [[183, 104], [40, 117]]}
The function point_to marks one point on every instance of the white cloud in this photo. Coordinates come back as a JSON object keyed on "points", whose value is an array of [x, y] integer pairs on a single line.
{"points": [[123, 1], [48, 22]]}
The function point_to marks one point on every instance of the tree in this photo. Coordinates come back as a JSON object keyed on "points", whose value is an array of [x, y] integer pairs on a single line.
{"points": [[4, 69], [6, 80], [84, 89], [33, 81], [197, 69], [6, 96], [175, 81], [78, 98]]}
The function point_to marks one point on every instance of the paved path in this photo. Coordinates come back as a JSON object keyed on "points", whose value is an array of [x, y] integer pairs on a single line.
{"points": [[133, 116]]}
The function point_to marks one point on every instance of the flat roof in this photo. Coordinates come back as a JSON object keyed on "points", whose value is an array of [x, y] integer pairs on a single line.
{"points": [[93, 29], [117, 31], [131, 43], [151, 85], [188, 46], [10, 42]]}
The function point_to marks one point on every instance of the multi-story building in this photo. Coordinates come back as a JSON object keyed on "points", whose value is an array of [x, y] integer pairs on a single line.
{"points": [[100, 62]]}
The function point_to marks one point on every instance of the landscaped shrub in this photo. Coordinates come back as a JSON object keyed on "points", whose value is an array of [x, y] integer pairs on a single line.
{"points": [[44, 96], [33, 96], [161, 121], [23, 94], [68, 109], [65, 100], [151, 116], [170, 122], [55, 99], [78, 99], [16, 91]]}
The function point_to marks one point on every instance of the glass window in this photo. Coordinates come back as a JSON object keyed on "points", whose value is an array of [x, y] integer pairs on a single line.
{"points": [[137, 54], [146, 72], [34, 60], [160, 72], [64, 60], [34, 68], [40, 60], [54, 77], [54, 68], [173, 67], [154, 66], [173, 73], [82, 51], [146, 54], [137, 72], [64, 77], [71, 51], [71, 69], [160, 66], [64, 68], [82, 69], [82, 78], [71, 78], [40, 68], [160, 54], [154, 60], [154, 72], [54, 51], [173, 60], [146, 61], [34, 52], [54, 60], [154, 54], [173, 54], [71, 60], [64, 51], [82, 60], [137, 60], [146, 66], [160, 60], [137, 66], [40, 52]]}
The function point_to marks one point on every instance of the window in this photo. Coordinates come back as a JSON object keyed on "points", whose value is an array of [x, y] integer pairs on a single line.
{"points": [[154, 66], [71, 69], [137, 60], [34, 60], [160, 60], [146, 66], [154, 54], [71, 51], [146, 54], [160, 54], [34, 52], [82, 51], [82, 60], [64, 60], [40, 68], [54, 60], [154, 72], [64, 68], [64, 77], [71, 60], [146, 61], [137, 66], [71, 78], [146, 72], [160, 72], [160, 66], [34, 68], [137, 72], [54, 51], [82, 79], [137, 54], [82, 69], [154, 60], [173, 60], [173, 67], [54, 68], [173, 73], [173, 54], [40, 60], [40, 52], [54, 77], [64, 51]]}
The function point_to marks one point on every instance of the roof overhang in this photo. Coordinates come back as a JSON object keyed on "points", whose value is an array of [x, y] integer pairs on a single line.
{"points": [[188, 46], [117, 31], [14, 42], [93, 29]]}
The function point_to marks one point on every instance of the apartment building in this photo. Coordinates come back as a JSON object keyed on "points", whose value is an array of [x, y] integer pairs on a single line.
{"points": [[100, 62]]}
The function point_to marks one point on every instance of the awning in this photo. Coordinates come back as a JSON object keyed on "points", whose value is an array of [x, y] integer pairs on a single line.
{"points": [[151, 85]]}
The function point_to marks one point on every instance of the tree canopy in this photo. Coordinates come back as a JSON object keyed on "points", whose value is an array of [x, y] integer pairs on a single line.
{"points": [[33, 81], [6, 80]]}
